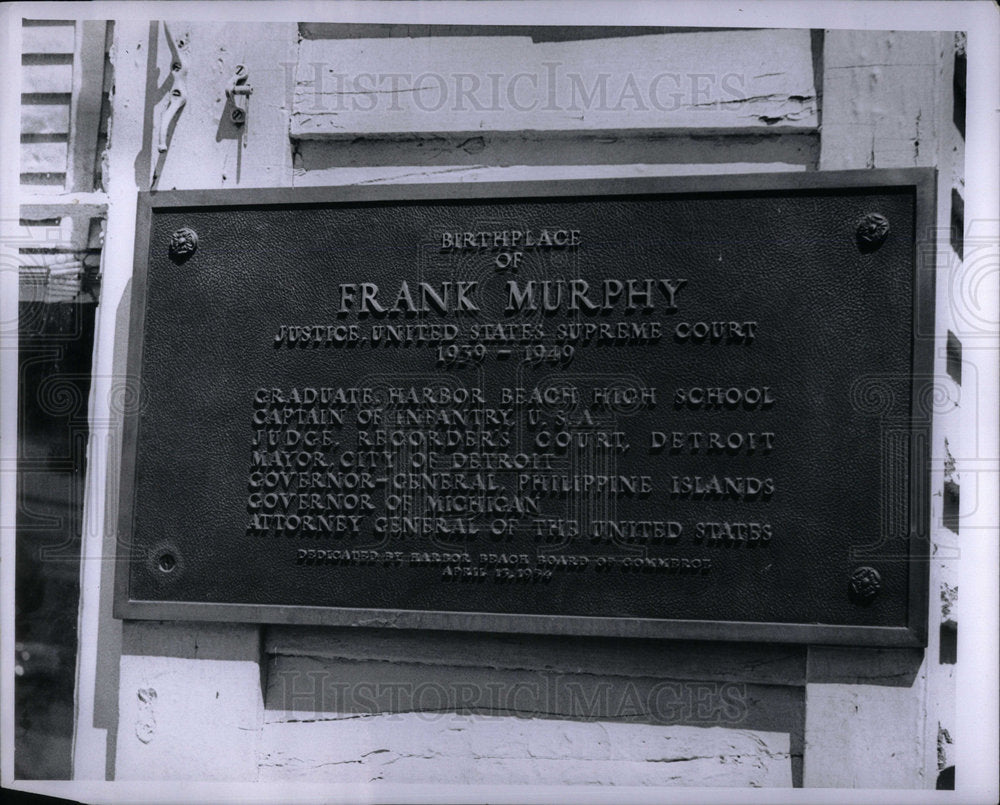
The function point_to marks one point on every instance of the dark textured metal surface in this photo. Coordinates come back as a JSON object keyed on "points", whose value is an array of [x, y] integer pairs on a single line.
{"points": [[835, 343]]}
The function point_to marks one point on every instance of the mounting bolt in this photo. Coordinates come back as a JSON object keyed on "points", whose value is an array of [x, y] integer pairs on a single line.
{"points": [[165, 562], [865, 585], [183, 243], [871, 233]]}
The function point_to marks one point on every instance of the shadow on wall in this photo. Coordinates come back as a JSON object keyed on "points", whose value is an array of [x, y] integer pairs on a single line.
{"points": [[54, 357]]}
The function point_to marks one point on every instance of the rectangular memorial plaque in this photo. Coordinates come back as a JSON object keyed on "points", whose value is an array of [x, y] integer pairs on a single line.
{"points": [[689, 407]]}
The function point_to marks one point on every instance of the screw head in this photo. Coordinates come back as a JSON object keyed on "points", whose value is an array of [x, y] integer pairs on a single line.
{"points": [[183, 243], [238, 116], [165, 562], [864, 586], [871, 232]]}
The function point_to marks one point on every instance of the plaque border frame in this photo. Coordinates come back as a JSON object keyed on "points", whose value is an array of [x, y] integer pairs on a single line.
{"points": [[913, 634]]}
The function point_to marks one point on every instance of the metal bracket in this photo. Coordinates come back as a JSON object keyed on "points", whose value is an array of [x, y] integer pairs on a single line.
{"points": [[178, 91], [237, 93]]}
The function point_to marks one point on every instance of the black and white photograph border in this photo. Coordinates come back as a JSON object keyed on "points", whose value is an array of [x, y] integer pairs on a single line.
{"points": [[118, 118]]}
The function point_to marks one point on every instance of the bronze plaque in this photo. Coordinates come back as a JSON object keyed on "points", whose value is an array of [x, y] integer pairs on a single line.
{"points": [[693, 407]]}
